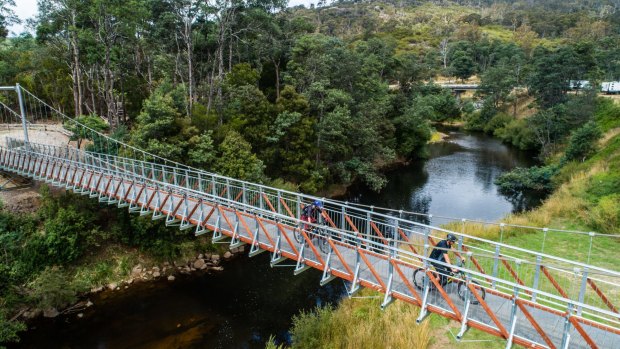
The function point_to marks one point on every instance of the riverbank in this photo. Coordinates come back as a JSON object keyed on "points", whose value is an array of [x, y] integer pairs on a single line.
{"points": [[61, 249], [587, 198]]}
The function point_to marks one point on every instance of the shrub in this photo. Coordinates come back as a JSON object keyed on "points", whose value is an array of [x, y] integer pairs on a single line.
{"points": [[607, 114], [606, 214], [8, 328], [52, 288], [517, 133], [523, 179], [582, 142], [500, 120]]}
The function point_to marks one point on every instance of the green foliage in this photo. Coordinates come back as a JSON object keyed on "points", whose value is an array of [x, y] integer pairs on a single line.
{"points": [[93, 122], [9, 330], [310, 327], [201, 151], [237, 160], [582, 143], [157, 130], [52, 288], [607, 114], [65, 234], [271, 344], [241, 74], [518, 133], [497, 84], [523, 179], [413, 131], [606, 214], [462, 65], [499, 121]]}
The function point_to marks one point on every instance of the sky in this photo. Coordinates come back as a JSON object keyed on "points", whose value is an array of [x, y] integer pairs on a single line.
{"points": [[25, 9]]}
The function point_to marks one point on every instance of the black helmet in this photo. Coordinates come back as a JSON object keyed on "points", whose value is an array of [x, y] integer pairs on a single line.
{"points": [[451, 237]]}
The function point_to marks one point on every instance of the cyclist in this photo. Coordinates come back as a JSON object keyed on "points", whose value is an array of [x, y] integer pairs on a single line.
{"points": [[310, 213], [440, 254]]}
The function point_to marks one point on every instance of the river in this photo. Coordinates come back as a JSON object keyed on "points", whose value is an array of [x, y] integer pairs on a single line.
{"points": [[249, 301]]}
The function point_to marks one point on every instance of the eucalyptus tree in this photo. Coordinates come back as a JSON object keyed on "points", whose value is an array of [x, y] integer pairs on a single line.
{"points": [[7, 17]]}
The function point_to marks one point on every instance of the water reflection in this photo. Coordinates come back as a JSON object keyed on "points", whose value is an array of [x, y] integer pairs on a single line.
{"points": [[457, 180], [238, 308]]}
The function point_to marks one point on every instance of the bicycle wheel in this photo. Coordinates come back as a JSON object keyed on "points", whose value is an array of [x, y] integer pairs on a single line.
{"points": [[322, 241], [462, 291], [419, 277]]}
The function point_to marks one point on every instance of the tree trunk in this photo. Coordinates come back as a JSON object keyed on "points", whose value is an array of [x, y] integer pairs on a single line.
{"points": [[276, 64], [77, 81], [190, 66]]}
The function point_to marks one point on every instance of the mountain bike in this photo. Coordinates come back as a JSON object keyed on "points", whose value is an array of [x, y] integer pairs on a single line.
{"points": [[319, 234], [420, 277]]}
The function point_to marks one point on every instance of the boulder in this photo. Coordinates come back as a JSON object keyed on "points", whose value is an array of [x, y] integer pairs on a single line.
{"points": [[201, 256], [217, 268], [112, 286], [50, 312], [215, 258], [199, 263], [155, 269], [227, 255], [156, 274], [136, 271], [32, 314], [80, 315], [171, 278]]}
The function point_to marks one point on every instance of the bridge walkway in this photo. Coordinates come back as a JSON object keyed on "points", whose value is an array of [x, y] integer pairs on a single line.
{"points": [[382, 265]]}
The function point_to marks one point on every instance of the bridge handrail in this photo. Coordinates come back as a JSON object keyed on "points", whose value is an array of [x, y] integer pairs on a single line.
{"points": [[396, 251], [349, 205], [401, 222], [400, 253]]}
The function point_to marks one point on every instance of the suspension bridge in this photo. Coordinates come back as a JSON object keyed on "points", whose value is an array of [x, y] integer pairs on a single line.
{"points": [[527, 298]]}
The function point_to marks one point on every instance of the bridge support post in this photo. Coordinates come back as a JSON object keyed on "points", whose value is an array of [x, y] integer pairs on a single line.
{"points": [[513, 318], [392, 245], [582, 290], [327, 272], [464, 326], [427, 281], [276, 256], [217, 232], [427, 286], [536, 277], [200, 229], [255, 248], [22, 110], [301, 265], [355, 283], [566, 335], [495, 265]]}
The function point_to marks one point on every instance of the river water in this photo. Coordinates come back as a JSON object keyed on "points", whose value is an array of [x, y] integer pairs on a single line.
{"points": [[249, 301]]}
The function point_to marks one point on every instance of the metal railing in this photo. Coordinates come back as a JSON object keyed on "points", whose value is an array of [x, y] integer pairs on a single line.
{"points": [[572, 289], [393, 237]]}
